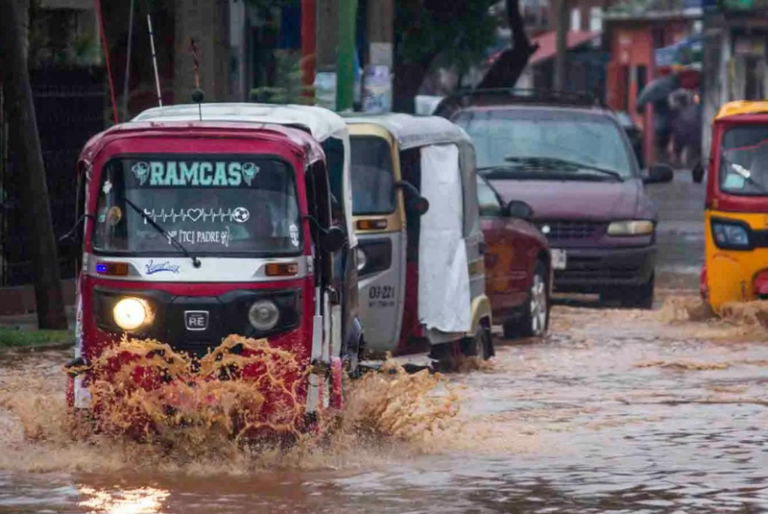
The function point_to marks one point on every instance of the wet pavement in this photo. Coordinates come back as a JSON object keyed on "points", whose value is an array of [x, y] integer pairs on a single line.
{"points": [[616, 411]]}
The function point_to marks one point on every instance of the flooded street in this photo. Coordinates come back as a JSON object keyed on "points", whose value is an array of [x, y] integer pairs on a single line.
{"points": [[616, 411]]}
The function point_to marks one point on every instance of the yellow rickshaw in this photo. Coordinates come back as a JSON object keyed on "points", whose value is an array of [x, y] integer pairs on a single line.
{"points": [[736, 209]]}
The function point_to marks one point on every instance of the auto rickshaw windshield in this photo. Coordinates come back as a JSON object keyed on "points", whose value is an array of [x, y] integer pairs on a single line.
{"points": [[744, 161], [210, 204], [373, 180]]}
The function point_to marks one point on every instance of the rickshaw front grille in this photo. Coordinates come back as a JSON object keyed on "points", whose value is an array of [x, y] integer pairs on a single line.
{"points": [[225, 314]]}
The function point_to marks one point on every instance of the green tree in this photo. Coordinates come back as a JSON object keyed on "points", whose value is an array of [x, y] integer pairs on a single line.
{"points": [[456, 32]]}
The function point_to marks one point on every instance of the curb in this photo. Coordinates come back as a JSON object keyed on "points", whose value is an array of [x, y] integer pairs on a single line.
{"points": [[37, 347]]}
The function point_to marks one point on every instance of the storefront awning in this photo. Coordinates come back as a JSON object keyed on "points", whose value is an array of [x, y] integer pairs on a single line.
{"points": [[548, 44]]}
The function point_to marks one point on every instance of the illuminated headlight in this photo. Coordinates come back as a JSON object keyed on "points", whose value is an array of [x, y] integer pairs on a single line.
{"points": [[730, 235], [130, 313], [362, 259], [630, 228], [264, 315]]}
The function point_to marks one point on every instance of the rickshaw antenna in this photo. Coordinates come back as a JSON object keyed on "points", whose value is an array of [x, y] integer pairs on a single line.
{"points": [[154, 59], [197, 95]]}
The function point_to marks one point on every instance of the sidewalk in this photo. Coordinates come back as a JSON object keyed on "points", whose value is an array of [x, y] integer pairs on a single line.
{"points": [[29, 321]]}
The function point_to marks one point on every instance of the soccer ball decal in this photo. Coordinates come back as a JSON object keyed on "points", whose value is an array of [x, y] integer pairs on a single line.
{"points": [[241, 214]]}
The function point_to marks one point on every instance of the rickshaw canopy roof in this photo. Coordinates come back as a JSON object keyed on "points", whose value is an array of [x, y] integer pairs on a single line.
{"points": [[296, 139], [415, 131], [742, 107], [322, 123]]}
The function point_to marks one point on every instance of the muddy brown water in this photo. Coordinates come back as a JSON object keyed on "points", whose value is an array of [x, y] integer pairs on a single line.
{"points": [[616, 411]]}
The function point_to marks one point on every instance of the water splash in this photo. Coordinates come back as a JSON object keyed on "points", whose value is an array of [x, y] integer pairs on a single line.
{"points": [[184, 419], [144, 389]]}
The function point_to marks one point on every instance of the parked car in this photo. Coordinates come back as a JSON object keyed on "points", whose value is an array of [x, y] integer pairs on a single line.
{"points": [[634, 133], [518, 271], [571, 161]]}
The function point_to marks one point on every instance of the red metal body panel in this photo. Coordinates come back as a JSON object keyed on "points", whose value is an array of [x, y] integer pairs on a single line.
{"points": [[761, 284], [411, 327], [513, 245], [716, 199]]}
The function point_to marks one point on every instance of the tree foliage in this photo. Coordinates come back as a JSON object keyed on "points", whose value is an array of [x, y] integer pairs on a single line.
{"points": [[458, 32], [454, 33]]}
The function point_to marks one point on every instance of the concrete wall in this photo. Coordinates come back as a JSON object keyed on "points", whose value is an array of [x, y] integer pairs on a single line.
{"points": [[20, 300]]}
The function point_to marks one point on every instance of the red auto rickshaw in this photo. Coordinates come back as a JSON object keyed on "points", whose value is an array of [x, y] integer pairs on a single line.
{"points": [[194, 231]]}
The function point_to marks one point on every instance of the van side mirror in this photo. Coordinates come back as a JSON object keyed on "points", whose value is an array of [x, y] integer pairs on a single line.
{"points": [[518, 209], [333, 239], [416, 203], [659, 174]]}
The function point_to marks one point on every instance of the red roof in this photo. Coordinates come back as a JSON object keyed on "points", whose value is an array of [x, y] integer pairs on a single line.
{"points": [[548, 44]]}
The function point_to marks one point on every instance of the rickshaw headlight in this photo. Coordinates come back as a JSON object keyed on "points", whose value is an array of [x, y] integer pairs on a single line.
{"points": [[730, 235], [130, 313], [630, 228], [264, 315]]}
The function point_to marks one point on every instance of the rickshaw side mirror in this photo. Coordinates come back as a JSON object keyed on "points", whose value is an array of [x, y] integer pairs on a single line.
{"points": [[659, 174], [518, 209], [416, 203], [334, 239]]}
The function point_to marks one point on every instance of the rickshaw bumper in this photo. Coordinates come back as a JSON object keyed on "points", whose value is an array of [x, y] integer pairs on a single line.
{"points": [[591, 270]]}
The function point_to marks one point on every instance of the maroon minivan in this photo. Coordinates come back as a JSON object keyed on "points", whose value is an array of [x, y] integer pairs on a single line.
{"points": [[570, 160]]}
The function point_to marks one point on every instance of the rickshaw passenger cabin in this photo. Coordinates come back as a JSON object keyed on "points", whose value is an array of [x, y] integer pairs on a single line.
{"points": [[422, 279]]}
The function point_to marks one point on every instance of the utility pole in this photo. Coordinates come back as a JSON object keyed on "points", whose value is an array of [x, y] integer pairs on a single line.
{"points": [[562, 34], [377, 96], [205, 21], [30, 171], [327, 30], [345, 86], [308, 41]]}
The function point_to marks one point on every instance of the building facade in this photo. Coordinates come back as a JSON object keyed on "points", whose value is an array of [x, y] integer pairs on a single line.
{"points": [[735, 57]]}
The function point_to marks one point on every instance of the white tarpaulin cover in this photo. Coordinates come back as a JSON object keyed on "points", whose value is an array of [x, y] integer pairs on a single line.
{"points": [[444, 298]]}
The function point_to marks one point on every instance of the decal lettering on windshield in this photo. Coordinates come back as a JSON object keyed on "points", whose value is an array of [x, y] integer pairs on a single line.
{"points": [[194, 173], [193, 237], [238, 214]]}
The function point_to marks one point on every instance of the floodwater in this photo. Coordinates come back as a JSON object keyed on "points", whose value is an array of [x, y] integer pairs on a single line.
{"points": [[615, 411]]}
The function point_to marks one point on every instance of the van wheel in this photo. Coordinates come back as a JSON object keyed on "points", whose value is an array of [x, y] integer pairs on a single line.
{"points": [[639, 297], [535, 319], [481, 344]]}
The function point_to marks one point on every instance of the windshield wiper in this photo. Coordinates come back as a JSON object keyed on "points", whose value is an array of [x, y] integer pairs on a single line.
{"points": [[745, 174], [488, 170], [161, 230], [562, 164]]}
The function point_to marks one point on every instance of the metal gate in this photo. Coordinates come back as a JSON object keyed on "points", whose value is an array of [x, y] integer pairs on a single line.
{"points": [[70, 106]]}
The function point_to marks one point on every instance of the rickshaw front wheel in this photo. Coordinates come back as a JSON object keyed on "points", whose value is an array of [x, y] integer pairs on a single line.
{"points": [[481, 344]]}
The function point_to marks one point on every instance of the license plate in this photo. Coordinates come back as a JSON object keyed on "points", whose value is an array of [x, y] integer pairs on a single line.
{"points": [[559, 259]]}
